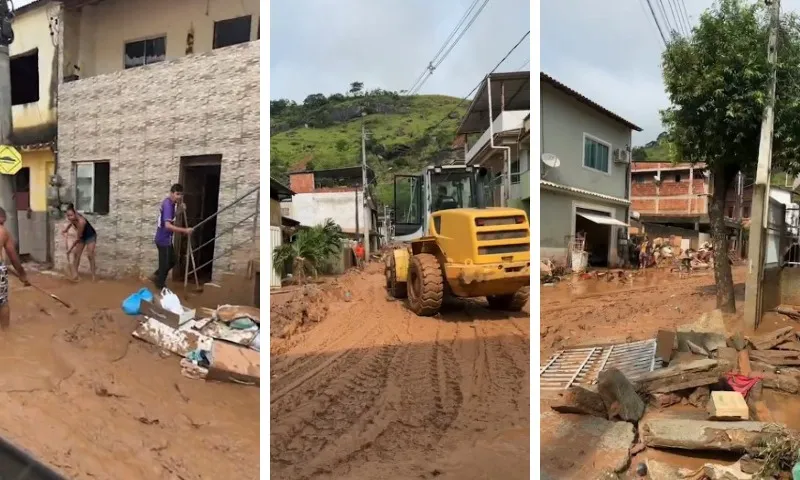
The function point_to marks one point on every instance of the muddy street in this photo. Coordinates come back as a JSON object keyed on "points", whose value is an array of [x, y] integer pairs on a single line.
{"points": [[81, 394], [362, 388]]}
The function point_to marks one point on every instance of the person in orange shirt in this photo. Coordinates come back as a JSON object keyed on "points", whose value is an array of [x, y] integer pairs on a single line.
{"points": [[359, 251]]}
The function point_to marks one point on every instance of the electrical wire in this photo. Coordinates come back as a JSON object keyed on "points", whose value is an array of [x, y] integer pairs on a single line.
{"points": [[675, 18], [527, 62], [660, 4], [444, 45], [658, 26], [433, 67], [682, 7]]}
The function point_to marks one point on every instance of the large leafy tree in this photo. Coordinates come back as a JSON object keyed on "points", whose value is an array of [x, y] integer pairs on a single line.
{"points": [[717, 80]]}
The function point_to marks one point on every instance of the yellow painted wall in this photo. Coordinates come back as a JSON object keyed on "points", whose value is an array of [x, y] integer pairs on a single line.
{"points": [[32, 31], [41, 163], [101, 31]]}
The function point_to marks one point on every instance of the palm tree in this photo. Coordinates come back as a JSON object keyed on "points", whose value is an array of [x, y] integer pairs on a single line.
{"points": [[309, 250]]}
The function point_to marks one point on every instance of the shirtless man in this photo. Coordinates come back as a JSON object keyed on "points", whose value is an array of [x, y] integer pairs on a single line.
{"points": [[10, 252], [86, 239]]}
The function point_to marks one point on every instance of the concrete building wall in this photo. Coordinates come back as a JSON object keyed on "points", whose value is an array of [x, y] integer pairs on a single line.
{"points": [[681, 191], [143, 121], [274, 213], [314, 208], [565, 121], [557, 222], [102, 29]]}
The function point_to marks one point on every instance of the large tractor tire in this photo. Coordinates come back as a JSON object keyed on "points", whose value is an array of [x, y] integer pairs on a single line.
{"points": [[396, 289], [513, 302], [425, 285]]}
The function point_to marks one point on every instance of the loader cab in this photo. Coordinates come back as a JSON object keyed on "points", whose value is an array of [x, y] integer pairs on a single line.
{"points": [[439, 188]]}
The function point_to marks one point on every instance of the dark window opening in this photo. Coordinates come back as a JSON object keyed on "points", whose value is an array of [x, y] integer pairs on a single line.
{"points": [[746, 211], [25, 79], [145, 52], [22, 189], [677, 179], [92, 187], [730, 212], [232, 31], [515, 176]]}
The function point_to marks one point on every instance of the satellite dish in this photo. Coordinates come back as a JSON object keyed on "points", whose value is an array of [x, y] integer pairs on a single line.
{"points": [[551, 161]]}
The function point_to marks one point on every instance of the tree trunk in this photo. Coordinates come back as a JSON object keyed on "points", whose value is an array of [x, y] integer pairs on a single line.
{"points": [[723, 176]]}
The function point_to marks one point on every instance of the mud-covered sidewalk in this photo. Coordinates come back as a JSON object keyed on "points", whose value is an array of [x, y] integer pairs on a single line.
{"points": [[84, 396], [364, 389]]}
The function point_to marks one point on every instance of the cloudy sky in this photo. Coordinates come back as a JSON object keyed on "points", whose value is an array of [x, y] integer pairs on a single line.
{"points": [[610, 52], [322, 46]]}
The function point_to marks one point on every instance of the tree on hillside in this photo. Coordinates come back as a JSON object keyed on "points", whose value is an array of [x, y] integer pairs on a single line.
{"points": [[315, 100], [639, 154], [309, 250], [356, 88], [717, 82]]}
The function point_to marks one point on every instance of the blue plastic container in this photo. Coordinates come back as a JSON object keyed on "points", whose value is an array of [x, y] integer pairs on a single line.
{"points": [[132, 304]]}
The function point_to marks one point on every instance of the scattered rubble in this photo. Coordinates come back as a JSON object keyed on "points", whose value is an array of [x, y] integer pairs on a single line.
{"points": [[221, 344], [722, 376]]}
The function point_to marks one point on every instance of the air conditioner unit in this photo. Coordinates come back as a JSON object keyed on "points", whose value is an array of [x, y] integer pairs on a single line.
{"points": [[622, 155]]}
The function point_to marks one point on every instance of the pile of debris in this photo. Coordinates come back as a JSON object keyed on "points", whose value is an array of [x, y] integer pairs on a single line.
{"points": [[221, 344], [724, 376]]}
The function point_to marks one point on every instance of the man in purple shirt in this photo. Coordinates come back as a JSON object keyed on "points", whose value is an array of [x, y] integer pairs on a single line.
{"points": [[166, 227]]}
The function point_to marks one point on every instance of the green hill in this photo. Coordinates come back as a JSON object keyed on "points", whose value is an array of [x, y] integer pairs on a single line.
{"points": [[405, 133]]}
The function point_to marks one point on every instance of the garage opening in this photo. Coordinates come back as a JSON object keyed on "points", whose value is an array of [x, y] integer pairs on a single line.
{"points": [[596, 229]]}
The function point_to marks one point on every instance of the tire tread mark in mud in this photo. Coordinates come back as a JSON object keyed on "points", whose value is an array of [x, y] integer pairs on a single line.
{"points": [[430, 402], [339, 407], [507, 377]]}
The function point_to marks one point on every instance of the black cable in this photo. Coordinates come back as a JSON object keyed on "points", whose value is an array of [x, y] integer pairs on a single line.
{"points": [[452, 46], [658, 26], [664, 15], [444, 45], [675, 18]]}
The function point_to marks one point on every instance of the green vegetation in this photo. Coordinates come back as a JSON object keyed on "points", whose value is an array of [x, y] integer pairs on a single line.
{"points": [[405, 132], [717, 82], [311, 250]]}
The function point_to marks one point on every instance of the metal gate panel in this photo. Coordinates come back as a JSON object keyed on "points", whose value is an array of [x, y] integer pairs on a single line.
{"points": [[582, 366]]}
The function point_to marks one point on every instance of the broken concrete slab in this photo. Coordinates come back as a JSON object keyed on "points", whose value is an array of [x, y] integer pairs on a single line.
{"points": [[614, 388], [607, 445], [582, 401], [790, 345], [699, 397], [696, 349], [666, 342], [773, 338], [709, 322], [728, 354], [707, 342], [660, 470], [663, 400], [682, 376], [712, 471], [781, 382], [705, 434]]}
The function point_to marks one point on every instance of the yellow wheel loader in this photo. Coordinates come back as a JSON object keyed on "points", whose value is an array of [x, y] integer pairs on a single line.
{"points": [[453, 246]]}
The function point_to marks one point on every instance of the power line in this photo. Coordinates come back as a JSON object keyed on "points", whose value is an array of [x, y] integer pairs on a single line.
{"points": [[464, 99], [664, 16], [678, 21], [453, 32], [444, 45], [431, 67], [527, 62], [658, 26], [682, 7]]}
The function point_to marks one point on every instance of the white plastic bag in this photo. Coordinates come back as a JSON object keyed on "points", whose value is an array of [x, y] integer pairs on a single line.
{"points": [[256, 344], [170, 302]]}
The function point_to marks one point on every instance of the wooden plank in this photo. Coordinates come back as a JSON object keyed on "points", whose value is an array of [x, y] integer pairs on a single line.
{"points": [[776, 357], [769, 340], [790, 345], [178, 341], [581, 401], [744, 363], [665, 343], [680, 376]]}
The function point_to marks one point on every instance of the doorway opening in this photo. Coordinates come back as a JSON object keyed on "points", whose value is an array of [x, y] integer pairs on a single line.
{"points": [[597, 236], [200, 177]]}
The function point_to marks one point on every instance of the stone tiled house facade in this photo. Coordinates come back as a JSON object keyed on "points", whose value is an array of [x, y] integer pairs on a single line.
{"points": [[142, 121]]}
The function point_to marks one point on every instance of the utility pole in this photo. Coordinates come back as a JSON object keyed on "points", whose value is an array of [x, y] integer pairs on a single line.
{"points": [[760, 206], [6, 181], [364, 185]]}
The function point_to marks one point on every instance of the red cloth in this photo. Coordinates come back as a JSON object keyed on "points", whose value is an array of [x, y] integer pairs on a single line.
{"points": [[359, 251], [741, 383]]}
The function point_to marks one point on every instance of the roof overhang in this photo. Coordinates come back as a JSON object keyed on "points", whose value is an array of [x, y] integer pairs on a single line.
{"points": [[344, 172], [547, 79], [510, 91], [602, 219], [278, 191], [556, 187]]}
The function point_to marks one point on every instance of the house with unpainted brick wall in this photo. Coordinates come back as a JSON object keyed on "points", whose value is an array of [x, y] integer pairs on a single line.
{"points": [[673, 199], [153, 93]]}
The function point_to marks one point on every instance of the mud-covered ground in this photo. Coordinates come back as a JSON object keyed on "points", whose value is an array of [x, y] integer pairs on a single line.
{"points": [[81, 394], [593, 312], [361, 388]]}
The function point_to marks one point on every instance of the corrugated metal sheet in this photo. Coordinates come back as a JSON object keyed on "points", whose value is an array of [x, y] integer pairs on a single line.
{"points": [[582, 366], [275, 241], [580, 191]]}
